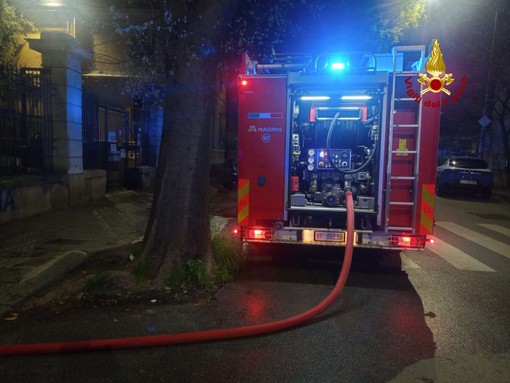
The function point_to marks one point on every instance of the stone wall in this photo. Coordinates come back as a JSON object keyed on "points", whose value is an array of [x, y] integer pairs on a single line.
{"points": [[28, 196]]}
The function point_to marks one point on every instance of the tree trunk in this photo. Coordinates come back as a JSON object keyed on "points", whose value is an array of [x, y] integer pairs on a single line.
{"points": [[178, 228]]}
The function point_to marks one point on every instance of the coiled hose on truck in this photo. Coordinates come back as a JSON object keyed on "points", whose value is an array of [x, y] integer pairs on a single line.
{"points": [[198, 336]]}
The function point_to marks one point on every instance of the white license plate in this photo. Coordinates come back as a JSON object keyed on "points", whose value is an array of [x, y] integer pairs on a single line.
{"points": [[329, 236], [468, 182]]}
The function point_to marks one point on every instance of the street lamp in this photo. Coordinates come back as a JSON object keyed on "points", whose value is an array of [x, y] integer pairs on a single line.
{"points": [[59, 9], [54, 3]]}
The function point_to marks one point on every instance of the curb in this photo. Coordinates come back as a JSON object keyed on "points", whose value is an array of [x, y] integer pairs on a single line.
{"points": [[62, 263], [43, 276]]}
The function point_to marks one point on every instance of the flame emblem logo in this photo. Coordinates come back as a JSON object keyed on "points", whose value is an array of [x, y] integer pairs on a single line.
{"points": [[435, 67]]}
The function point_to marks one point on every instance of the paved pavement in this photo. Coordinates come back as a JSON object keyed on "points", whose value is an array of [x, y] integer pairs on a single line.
{"points": [[36, 252]]}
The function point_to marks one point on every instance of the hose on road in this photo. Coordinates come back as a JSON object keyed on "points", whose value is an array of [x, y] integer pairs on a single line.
{"points": [[199, 336]]}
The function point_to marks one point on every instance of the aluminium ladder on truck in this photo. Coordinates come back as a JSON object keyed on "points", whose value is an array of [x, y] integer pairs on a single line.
{"points": [[401, 130]]}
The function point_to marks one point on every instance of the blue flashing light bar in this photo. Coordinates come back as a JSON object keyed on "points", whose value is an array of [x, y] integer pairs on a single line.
{"points": [[338, 66]]}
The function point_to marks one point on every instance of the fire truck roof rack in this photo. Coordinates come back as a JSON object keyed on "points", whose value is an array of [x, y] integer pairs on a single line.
{"points": [[286, 62], [352, 62], [357, 62], [292, 58], [279, 63]]}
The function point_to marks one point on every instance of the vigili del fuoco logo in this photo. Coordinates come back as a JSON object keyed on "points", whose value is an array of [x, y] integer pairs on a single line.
{"points": [[438, 81]]}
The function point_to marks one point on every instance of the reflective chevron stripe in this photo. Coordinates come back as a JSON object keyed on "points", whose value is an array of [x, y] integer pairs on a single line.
{"points": [[243, 202], [427, 209]]}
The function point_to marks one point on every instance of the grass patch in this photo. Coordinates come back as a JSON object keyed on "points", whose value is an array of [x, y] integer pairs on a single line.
{"points": [[197, 275], [141, 271], [96, 283], [227, 260], [178, 279], [227, 256], [193, 274]]}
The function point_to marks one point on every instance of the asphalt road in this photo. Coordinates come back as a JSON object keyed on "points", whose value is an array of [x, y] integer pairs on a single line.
{"points": [[442, 315]]}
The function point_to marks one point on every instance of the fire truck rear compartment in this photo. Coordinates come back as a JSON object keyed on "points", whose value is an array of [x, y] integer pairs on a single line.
{"points": [[334, 146]]}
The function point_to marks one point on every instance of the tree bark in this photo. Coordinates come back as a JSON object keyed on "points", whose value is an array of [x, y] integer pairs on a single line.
{"points": [[178, 228]]}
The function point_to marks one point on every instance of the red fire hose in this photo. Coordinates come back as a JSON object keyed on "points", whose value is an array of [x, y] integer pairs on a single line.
{"points": [[198, 336]]}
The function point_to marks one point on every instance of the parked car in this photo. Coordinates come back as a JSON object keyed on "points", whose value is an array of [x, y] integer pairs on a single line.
{"points": [[464, 173]]}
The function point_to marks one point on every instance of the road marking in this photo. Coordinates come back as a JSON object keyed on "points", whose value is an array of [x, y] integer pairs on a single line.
{"points": [[482, 240], [407, 262], [497, 228], [456, 257]]}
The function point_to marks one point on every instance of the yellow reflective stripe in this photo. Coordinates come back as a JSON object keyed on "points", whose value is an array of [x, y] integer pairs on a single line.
{"points": [[426, 224], [428, 194], [427, 209], [243, 199], [243, 214], [244, 188]]}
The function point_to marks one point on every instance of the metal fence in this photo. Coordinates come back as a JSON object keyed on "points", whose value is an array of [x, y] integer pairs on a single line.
{"points": [[26, 138]]}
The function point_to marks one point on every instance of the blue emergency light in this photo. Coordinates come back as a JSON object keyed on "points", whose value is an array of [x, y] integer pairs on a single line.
{"points": [[338, 63], [338, 66]]}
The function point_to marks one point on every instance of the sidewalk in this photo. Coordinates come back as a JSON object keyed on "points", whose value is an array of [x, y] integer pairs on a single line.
{"points": [[38, 251]]}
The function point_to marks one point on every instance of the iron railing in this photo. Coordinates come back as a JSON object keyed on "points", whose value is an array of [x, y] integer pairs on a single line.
{"points": [[26, 137]]}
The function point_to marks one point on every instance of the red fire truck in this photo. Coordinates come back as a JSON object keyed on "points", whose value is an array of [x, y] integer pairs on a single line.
{"points": [[311, 127]]}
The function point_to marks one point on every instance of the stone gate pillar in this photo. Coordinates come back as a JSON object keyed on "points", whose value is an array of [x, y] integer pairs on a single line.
{"points": [[63, 55]]}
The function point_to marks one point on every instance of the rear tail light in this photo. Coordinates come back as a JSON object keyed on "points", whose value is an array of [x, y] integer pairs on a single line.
{"points": [[258, 234], [407, 241]]}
